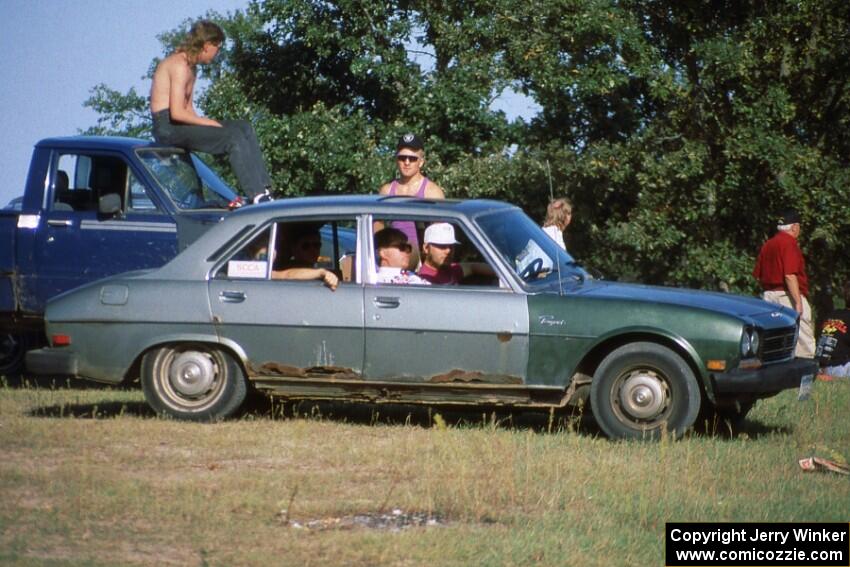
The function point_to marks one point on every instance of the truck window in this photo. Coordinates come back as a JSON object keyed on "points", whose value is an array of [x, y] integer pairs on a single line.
{"points": [[81, 179], [71, 191], [139, 201]]}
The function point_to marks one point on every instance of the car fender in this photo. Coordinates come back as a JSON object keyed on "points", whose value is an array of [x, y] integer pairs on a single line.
{"points": [[607, 342], [175, 338], [236, 350]]}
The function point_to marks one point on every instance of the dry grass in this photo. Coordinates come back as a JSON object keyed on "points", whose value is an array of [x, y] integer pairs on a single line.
{"points": [[92, 477]]}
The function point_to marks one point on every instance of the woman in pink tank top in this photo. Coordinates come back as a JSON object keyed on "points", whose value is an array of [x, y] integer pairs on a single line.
{"points": [[410, 157]]}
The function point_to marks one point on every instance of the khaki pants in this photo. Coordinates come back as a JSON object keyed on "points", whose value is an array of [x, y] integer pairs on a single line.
{"points": [[806, 339]]}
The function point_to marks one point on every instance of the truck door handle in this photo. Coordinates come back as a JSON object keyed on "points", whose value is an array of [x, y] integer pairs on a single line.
{"points": [[383, 302], [231, 296], [59, 222]]}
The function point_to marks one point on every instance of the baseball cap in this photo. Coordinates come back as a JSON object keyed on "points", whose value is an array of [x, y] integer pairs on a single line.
{"points": [[411, 141], [441, 233], [788, 217]]}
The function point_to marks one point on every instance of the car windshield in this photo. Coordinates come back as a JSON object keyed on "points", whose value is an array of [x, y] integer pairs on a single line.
{"points": [[530, 252], [189, 182]]}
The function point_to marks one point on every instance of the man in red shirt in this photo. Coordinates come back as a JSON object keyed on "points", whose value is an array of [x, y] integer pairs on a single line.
{"points": [[781, 271]]}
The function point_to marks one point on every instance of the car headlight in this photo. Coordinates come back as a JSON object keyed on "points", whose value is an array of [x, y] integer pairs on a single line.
{"points": [[749, 342], [754, 342], [745, 343]]}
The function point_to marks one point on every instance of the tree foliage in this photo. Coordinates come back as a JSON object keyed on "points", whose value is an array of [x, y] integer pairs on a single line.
{"points": [[124, 114], [678, 128]]}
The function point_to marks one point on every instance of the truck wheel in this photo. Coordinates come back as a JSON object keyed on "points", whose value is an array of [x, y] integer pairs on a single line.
{"points": [[194, 382], [641, 389], [13, 347]]}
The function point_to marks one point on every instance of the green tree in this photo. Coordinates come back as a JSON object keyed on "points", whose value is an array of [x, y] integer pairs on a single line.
{"points": [[691, 124], [119, 114], [678, 128]]}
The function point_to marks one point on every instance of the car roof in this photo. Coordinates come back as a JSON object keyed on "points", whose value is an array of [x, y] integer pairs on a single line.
{"points": [[98, 143], [375, 204]]}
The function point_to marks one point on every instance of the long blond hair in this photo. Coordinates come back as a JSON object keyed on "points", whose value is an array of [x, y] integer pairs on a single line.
{"points": [[557, 213], [202, 31]]}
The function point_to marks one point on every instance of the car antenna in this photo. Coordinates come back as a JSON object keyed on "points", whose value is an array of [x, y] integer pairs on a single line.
{"points": [[552, 198]]}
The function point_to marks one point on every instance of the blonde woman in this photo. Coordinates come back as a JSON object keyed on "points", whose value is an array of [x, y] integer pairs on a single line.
{"points": [[559, 213]]}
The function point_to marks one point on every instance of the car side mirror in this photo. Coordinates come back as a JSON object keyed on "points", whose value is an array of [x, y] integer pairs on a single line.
{"points": [[109, 205]]}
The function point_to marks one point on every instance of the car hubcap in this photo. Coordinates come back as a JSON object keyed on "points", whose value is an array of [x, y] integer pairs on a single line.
{"points": [[643, 395], [192, 374]]}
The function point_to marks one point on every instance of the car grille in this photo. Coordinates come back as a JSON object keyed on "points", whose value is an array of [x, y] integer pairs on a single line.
{"points": [[778, 345]]}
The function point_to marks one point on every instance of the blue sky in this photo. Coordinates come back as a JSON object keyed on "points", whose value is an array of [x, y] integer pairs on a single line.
{"points": [[55, 51]]}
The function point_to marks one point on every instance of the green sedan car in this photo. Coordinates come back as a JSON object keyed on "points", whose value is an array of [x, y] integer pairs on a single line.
{"points": [[520, 325]]}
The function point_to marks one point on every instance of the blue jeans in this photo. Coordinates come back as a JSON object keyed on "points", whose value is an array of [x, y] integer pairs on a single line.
{"points": [[236, 139]]}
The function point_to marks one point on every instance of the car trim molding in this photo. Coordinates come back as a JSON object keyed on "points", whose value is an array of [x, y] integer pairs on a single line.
{"points": [[129, 226]]}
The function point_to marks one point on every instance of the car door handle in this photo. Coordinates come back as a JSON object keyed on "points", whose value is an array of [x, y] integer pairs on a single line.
{"points": [[231, 296], [59, 222], [384, 302]]}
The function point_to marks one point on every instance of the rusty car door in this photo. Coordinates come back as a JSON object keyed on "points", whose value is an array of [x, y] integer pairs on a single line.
{"points": [[442, 334], [291, 327]]}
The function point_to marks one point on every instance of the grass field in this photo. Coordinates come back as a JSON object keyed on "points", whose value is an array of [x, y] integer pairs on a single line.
{"points": [[90, 476]]}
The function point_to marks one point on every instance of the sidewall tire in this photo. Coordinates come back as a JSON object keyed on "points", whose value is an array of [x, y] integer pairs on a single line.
{"points": [[231, 392], [684, 391]]}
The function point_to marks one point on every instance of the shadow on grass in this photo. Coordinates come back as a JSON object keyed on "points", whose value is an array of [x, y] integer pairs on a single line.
{"points": [[55, 383], [261, 407], [541, 421], [745, 430], [425, 416], [104, 410]]}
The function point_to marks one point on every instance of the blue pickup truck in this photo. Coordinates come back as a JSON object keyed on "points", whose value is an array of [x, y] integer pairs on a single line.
{"points": [[93, 207]]}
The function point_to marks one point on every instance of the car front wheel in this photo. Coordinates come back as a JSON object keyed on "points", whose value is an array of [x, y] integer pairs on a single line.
{"points": [[642, 389], [193, 382]]}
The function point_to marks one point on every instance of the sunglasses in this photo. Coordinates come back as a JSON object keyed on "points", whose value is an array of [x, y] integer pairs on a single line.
{"points": [[407, 158]]}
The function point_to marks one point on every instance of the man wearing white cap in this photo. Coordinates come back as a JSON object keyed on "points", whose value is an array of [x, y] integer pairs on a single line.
{"points": [[437, 266]]}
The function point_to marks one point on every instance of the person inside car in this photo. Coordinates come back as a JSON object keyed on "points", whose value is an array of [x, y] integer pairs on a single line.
{"points": [[306, 243], [392, 252], [438, 266]]}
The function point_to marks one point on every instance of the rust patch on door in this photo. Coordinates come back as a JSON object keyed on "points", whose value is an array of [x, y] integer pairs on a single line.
{"points": [[466, 376], [278, 369], [504, 337], [337, 372]]}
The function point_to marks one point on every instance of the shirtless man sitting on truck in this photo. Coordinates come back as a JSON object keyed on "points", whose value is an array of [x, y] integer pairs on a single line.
{"points": [[176, 123]]}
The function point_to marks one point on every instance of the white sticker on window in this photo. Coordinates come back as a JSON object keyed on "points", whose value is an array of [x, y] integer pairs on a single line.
{"points": [[28, 221], [246, 269], [533, 254]]}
